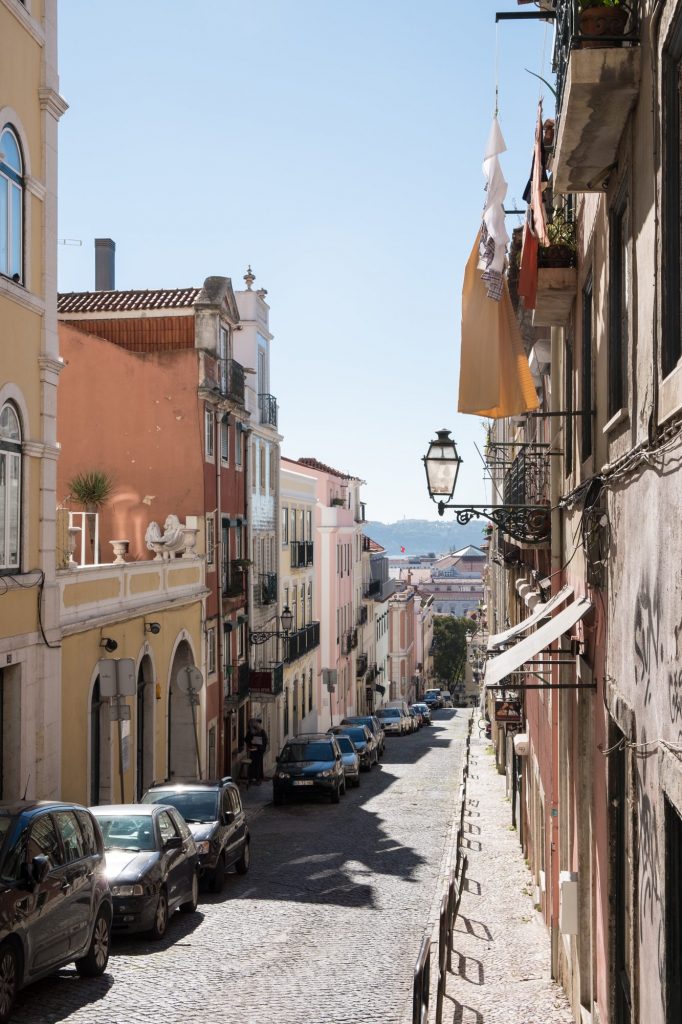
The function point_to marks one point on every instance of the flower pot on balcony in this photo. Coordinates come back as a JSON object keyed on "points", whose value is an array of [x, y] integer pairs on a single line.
{"points": [[597, 20], [120, 551], [558, 255]]}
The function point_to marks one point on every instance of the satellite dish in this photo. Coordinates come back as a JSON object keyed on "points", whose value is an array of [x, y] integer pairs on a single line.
{"points": [[189, 678]]}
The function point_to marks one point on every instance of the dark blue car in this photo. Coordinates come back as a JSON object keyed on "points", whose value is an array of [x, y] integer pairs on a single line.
{"points": [[55, 902], [309, 764]]}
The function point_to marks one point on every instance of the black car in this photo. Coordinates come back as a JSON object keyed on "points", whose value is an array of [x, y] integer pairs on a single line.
{"points": [[364, 741], [309, 764], [374, 726], [55, 903], [213, 810], [152, 865]]}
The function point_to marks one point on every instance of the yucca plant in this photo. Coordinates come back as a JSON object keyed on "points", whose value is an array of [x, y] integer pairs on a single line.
{"points": [[92, 490]]}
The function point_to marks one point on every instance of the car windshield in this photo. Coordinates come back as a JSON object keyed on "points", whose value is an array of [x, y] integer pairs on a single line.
{"points": [[307, 752], [388, 713], [356, 733], [194, 805], [127, 831], [346, 744]]}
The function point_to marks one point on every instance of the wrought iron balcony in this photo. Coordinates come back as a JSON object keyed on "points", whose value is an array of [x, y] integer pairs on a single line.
{"points": [[374, 588], [361, 665], [597, 81], [526, 482], [267, 680], [301, 641], [232, 380], [301, 552], [346, 642], [267, 405], [362, 615], [234, 578], [353, 638], [266, 588], [372, 674]]}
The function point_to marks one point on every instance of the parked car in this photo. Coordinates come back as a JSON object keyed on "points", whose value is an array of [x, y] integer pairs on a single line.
{"points": [[373, 724], [213, 810], [55, 901], [433, 698], [448, 702], [416, 711], [364, 741], [425, 712], [152, 865], [350, 759], [393, 721], [309, 763]]}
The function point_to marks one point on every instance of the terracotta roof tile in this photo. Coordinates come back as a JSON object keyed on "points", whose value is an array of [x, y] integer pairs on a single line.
{"points": [[119, 302], [315, 464]]}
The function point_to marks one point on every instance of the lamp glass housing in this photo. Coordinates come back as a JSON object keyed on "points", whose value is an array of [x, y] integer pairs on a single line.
{"points": [[442, 463], [286, 618]]}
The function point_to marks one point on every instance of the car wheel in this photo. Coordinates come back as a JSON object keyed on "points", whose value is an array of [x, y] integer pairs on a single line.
{"points": [[95, 960], [191, 905], [242, 865], [218, 875], [158, 929], [336, 795], [9, 979]]}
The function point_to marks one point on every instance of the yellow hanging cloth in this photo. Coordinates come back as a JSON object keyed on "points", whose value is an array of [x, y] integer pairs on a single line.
{"points": [[494, 377]]}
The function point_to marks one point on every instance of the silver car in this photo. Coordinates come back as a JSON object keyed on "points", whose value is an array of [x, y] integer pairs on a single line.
{"points": [[350, 759]]}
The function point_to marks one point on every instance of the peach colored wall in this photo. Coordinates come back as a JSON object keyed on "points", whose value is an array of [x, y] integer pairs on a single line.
{"points": [[136, 417]]}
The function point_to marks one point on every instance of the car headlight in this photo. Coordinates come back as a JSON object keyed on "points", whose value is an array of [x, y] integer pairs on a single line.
{"points": [[283, 775], [127, 890], [203, 847], [326, 773]]}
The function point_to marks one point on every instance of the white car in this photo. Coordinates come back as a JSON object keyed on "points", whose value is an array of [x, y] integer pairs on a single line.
{"points": [[392, 720]]}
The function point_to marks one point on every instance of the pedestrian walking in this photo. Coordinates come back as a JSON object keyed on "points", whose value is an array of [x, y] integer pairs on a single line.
{"points": [[257, 743]]}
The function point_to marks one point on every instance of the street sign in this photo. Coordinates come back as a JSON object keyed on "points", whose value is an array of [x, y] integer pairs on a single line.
{"points": [[329, 677], [190, 678], [119, 712], [117, 677]]}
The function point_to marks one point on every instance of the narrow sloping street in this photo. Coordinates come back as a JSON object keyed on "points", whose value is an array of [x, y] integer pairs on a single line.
{"points": [[324, 929]]}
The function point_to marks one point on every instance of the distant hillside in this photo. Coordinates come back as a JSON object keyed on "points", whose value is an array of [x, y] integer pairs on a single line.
{"points": [[421, 536]]}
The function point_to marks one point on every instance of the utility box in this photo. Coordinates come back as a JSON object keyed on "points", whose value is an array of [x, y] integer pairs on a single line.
{"points": [[521, 744], [568, 902]]}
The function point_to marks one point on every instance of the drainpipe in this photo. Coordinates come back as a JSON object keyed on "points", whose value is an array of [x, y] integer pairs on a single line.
{"points": [[220, 744]]}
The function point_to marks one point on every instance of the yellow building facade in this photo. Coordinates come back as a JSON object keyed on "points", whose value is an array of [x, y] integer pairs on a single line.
{"points": [[30, 108]]}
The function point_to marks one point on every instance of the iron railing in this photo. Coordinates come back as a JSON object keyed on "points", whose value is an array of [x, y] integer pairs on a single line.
{"points": [[266, 588], [301, 641], [361, 665], [233, 381], [267, 405], [234, 579], [526, 482], [267, 680], [374, 588], [363, 615]]}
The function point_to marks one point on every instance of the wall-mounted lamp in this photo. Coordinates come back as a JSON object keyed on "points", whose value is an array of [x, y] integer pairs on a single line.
{"points": [[152, 627], [261, 636], [108, 644]]}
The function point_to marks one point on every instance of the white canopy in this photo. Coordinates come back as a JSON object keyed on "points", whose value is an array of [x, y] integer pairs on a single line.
{"points": [[541, 611], [512, 660]]}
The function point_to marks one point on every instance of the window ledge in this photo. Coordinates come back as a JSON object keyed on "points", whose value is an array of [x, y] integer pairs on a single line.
{"points": [[20, 294], [670, 395], [622, 416]]}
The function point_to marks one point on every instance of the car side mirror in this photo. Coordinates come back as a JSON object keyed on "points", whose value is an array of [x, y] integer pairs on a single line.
{"points": [[277, 759], [228, 817], [40, 867], [174, 843]]}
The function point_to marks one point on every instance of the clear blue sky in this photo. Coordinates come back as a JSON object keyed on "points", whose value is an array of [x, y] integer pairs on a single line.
{"points": [[337, 148]]}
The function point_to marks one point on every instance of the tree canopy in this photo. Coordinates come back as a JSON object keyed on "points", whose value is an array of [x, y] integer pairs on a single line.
{"points": [[449, 637]]}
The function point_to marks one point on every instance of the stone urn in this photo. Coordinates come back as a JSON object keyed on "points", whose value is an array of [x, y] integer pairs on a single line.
{"points": [[74, 535], [120, 550], [190, 534]]}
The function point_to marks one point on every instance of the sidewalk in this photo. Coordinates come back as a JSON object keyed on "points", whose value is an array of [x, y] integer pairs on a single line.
{"points": [[501, 955], [255, 798]]}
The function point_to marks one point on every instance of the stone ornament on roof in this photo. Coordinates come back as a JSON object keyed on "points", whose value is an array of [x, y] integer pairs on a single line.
{"points": [[172, 541]]}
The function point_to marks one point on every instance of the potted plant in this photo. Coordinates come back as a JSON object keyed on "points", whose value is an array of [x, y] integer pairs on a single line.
{"points": [[562, 248], [602, 18], [92, 490]]}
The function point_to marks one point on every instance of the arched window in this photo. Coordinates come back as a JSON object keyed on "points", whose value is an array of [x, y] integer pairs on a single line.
{"points": [[11, 206], [10, 489]]}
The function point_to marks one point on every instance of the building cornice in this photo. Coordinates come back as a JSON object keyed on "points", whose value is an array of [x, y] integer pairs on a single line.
{"points": [[52, 102], [50, 365]]}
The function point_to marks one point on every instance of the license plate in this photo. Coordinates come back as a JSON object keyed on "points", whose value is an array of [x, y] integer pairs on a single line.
{"points": [[304, 782]]}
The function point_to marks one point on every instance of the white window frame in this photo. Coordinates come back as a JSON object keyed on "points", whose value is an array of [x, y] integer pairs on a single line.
{"points": [[210, 650], [209, 428], [11, 463], [210, 541], [225, 441], [12, 184]]}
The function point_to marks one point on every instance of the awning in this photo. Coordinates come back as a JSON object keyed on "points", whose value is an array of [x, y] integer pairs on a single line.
{"points": [[512, 660], [541, 611]]}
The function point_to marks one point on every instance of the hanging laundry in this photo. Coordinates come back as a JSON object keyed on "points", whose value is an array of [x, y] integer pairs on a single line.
{"points": [[494, 237]]}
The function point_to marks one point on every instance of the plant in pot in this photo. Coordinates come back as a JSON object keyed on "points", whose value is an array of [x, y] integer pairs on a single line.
{"points": [[92, 490], [562, 248], [602, 18]]}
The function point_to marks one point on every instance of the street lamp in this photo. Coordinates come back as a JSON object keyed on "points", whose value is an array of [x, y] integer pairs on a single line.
{"points": [[261, 636], [529, 524]]}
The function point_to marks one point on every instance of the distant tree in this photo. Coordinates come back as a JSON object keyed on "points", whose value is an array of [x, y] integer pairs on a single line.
{"points": [[449, 637]]}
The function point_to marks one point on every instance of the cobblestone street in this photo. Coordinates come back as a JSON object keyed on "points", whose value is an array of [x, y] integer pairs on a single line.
{"points": [[324, 929]]}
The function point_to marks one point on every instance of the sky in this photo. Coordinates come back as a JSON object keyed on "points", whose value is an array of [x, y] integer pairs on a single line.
{"points": [[336, 147]]}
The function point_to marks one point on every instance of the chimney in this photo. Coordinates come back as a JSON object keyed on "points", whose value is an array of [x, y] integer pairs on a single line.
{"points": [[105, 265]]}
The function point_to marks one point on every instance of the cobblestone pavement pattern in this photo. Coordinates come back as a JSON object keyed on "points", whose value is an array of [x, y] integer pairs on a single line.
{"points": [[324, 929], [501, 955]]}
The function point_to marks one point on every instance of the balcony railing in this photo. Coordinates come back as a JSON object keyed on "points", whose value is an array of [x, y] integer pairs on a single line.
{"points": [[268, 680], [353, 638], [526, 482], [346, 642], [372, 673], [374, 588], [266, 588], [301, 641], [362, 615], [234, 579], [267, 405], [301, 553], [232, 381], [361, 665]]}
